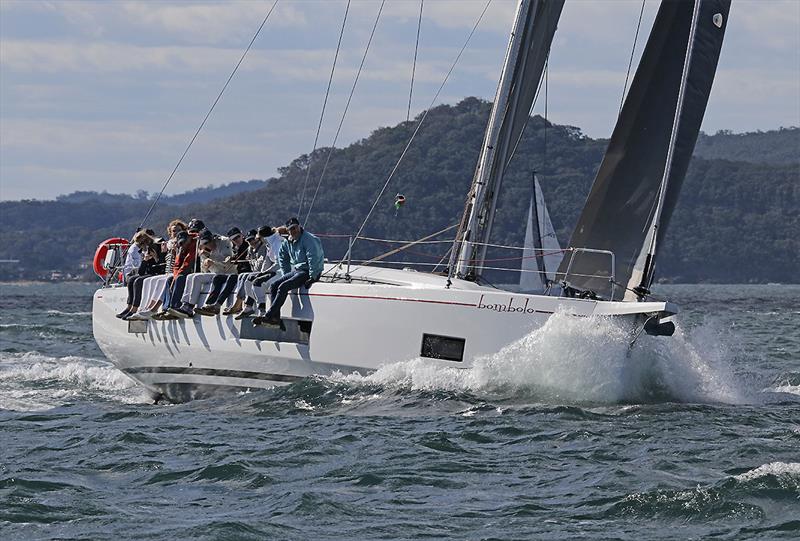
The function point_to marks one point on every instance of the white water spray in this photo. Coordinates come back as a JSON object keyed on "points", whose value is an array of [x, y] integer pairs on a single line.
{"points": [[583, 360], [32, 381]]}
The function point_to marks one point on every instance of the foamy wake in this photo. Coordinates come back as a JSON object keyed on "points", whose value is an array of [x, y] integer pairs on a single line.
{"points": [[789, 389], [583, 360], [32, 381], [789, 471], [62, 313]]}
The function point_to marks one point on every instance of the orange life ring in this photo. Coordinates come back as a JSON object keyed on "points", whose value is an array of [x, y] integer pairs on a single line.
{"points": [[100, 255]]}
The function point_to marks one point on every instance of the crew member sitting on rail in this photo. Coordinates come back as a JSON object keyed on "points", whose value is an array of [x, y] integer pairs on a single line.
{"points": [[152, 264], [273, 237], [235, 283], [133, 258], [186, 244], [154, 286], [301, 260], [223, 284], [215, 252]]}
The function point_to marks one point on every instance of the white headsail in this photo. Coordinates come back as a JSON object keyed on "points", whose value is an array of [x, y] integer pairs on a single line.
{"points": [[542, 254]]}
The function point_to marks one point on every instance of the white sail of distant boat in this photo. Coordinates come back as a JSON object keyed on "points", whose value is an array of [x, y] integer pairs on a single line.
{"points": [[542, 254]]}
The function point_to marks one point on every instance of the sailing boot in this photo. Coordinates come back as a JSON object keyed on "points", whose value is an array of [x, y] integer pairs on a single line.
{"points": [[235, 309]]}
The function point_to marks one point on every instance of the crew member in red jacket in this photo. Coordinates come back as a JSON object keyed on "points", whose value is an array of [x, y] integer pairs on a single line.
{"points": [[186, 243]]}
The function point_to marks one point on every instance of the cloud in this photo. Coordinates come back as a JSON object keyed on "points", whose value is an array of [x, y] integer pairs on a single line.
{"points": [[184, 21], [281, 65], [211, 23], [233, 21], [774, 24], [110, 57], [89, 88], [456, 14]]}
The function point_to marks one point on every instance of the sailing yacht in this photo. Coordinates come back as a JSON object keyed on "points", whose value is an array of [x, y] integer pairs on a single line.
{"points": [[542, 254], [358, 318]]}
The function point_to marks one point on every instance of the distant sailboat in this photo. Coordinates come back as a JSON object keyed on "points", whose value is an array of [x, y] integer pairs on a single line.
{"points": [[542, 254]]}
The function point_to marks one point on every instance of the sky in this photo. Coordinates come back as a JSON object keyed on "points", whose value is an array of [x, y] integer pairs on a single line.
{"points": [[106, 95]]}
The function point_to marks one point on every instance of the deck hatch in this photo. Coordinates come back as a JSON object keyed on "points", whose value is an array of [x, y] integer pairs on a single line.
{"points": [[447, 348]]}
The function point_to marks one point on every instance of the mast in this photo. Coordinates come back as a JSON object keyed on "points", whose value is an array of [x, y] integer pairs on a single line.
{"points": [[529, 45]]}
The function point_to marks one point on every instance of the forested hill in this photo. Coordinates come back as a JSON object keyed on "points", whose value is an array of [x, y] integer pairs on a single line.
{"points": [[198, 195], [737, 220], [778, 147]]}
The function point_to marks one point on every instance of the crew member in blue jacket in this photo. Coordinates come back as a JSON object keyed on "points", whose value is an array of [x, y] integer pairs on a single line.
{"points": [[301, 260]]}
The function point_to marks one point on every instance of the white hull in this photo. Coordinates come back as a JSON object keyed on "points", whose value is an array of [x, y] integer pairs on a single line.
{"points": [[377, 318]]}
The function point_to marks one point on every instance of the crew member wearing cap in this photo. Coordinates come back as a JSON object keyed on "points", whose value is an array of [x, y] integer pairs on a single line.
{"points": [[248, 256], [239, 250], [301, 261], [195, 227], [215, 252], [255, 287]]}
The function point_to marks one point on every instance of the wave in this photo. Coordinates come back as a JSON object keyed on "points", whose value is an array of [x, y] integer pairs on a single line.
{"points": [[788, 389], [79, 371], [32, 381], [16, 329], [788, 383], [786, 473], [737, 497], [582, 360], [62, 313]]}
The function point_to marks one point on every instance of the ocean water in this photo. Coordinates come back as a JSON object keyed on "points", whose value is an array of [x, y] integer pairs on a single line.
{"points": [[560, 436]]}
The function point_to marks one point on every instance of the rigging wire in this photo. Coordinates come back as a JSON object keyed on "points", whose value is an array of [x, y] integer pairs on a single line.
{"points": [[414, 65], [419, 124], [208, 114], [546, 84], [409, 244], [344, 114], [322, 114], [442, 259], [630, 61]]}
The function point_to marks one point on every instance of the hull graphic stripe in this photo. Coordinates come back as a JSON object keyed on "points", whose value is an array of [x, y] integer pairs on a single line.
{"points": [[211, 372], [369, 297]]}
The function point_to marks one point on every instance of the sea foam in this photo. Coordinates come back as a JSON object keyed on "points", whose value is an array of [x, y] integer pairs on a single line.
{"points": [[583, 360], [780, 470], [32, 381]]}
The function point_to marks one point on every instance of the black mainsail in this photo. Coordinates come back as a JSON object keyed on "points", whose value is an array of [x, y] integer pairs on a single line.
{"points": [[640, 177], [534, 26]]}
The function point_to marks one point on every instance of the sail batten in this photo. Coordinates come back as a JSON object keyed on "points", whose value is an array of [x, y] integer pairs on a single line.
{"points": [[638, 182]]}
